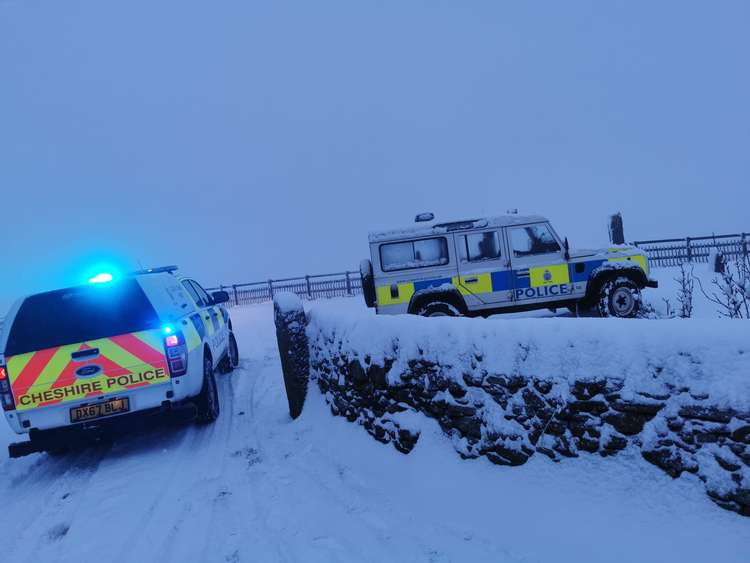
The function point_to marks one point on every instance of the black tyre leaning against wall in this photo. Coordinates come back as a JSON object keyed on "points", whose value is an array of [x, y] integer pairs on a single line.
{"points": [[619, 297]]}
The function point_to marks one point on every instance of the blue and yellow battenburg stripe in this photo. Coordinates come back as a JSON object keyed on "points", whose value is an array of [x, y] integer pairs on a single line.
{"points": [[503, 280]]}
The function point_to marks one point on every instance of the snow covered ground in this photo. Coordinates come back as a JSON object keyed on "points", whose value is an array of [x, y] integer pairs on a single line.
{"points": [[257, 486]]}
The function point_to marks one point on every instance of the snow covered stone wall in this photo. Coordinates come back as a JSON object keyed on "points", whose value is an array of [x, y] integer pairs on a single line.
{"points": [[679, 390]]}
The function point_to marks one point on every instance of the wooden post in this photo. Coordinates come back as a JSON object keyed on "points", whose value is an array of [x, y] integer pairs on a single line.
{"points": [[270, 288], [309, 290], [348, 284], [744, 245], [236, 299], [689, 250]]}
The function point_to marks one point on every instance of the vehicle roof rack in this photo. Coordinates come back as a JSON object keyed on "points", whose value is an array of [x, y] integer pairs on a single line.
{"points": [[461, 225], [159, 270]]}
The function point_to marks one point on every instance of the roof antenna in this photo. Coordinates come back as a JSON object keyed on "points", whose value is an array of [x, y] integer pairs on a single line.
{"points": [[512, 211], [424, 217]]}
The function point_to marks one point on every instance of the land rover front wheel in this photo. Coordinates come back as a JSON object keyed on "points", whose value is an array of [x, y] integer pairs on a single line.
{"points": [[620, 298], [438, 309]]}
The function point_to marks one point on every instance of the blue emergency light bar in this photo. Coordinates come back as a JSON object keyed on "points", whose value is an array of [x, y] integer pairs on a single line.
{"points": [[103, 277]]}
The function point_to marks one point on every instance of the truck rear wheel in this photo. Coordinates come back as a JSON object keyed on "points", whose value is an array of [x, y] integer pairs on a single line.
{"points": [[620, 297], [207, 402]]}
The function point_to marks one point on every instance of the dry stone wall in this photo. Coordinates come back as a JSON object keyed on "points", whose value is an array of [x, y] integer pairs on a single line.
{"points": [[509, 415]]}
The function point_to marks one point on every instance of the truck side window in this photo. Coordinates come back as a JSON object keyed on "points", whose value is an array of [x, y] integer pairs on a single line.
{"points": [[193, 293], [414, 254], [202, 293], [482, 246], [532, 240]]}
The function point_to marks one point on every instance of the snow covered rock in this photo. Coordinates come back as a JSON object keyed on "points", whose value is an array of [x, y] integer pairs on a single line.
{"points": [[508, 389]]}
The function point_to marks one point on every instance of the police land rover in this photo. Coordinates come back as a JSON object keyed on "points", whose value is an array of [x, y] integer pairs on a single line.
{"points": [[79, 359], [497, 264]]}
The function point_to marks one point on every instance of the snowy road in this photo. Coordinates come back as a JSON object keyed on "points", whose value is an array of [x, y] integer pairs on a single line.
{"points": [[257, 486]]}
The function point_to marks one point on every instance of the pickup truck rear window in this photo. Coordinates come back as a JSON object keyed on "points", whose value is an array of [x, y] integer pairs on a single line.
{"points": [[78, 314]]}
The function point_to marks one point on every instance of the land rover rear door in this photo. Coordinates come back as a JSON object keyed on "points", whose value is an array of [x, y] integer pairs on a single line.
{"points": [[484, 266]]}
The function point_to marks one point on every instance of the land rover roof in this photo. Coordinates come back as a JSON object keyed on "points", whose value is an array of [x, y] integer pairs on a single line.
{"points": [[440, 227]]}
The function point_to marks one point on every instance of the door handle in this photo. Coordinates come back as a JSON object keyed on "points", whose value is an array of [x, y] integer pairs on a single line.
{"points": [[471, 280], [83, 355]]}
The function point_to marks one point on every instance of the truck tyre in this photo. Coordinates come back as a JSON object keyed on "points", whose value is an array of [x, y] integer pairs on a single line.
{"points": [[207, 402], [620, 297], [438, 309], [232, 358]]}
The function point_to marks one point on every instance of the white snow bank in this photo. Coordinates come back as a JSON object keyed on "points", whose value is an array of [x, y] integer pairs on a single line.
{"points": [[707, 356]]}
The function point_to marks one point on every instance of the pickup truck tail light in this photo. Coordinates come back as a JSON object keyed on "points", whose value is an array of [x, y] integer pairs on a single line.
{"points": [[177, 353], [6, 395]]}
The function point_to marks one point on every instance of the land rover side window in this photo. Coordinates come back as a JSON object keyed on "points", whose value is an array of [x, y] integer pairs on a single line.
{"points": [[482, 246], [414, 254], [532, 240]]}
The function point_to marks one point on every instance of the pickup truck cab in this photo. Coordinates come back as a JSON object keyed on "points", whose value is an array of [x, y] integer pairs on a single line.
{"points": [[75, 359]]}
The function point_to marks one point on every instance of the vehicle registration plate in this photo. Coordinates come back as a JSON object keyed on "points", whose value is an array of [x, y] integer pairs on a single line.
{"points": [[99, 410]]}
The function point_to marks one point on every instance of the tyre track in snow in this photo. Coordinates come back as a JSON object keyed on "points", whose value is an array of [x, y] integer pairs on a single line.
{"points": [[160, 487], [50, 520], [232, 520]]}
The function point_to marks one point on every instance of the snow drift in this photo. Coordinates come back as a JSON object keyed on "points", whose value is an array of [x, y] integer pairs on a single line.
{"points": [[508, 389]]}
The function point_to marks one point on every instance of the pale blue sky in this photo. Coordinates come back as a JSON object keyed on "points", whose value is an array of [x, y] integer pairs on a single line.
{"points": [[246, 139]]}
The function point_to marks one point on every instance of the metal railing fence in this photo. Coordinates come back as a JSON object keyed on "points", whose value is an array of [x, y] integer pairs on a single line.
{"points": [[660, 253], [341, 284], [673, 252]]}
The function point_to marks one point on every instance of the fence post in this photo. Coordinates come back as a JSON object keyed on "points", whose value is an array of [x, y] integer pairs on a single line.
{"points": [[270, 288], [236, 300], [309, 291], [348, 284], [744, 245], [689, 250]]}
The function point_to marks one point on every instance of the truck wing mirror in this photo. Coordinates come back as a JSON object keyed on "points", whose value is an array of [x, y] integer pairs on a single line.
{"points": [[219, 297], [567, 249]]}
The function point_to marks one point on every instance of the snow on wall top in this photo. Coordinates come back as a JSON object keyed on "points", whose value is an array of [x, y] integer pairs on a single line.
{"points": [[704, 356], [441, 227], [287, 302]]}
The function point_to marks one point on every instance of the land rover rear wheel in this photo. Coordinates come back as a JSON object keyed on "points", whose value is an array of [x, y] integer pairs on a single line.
{"points": [[438, 309]]}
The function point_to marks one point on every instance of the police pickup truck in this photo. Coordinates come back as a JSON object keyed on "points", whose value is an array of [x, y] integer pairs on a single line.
{"points": [[82, 358], [497, 264]]}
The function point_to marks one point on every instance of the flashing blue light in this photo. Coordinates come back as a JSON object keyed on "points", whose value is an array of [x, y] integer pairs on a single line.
{"points": [[167, 329], [104, 277]]}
